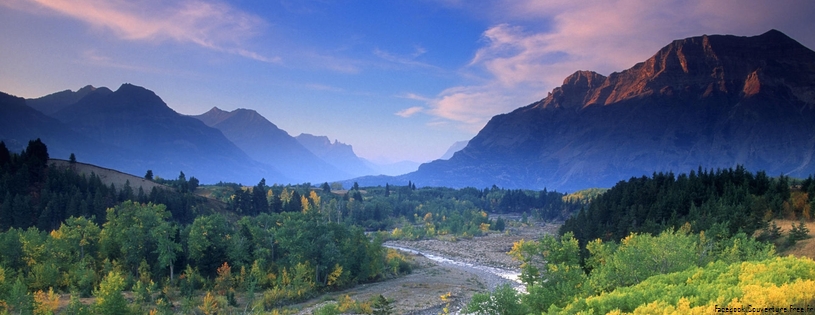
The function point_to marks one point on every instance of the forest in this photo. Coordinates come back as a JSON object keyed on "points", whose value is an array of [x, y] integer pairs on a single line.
{"points": [[695, 243], [163, 248], [688, 243], [265, 247]]}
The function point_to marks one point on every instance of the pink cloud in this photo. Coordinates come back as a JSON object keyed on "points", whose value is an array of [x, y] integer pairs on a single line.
{"points": [[520, 65], [209, 24], [407, 112]]}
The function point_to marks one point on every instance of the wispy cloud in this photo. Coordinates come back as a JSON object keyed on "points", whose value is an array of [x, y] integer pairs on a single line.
{"points": [[410, 111], [518, 64], [209, 24], [94, 57], [415, 97], [409, 61]]}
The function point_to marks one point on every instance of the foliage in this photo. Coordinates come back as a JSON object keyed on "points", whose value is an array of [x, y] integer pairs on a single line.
{"points": [[798, 232], [109, 299], [774, 282], [554, 277], [504, 300], [382, 306], [32, 193], [726, 200]]}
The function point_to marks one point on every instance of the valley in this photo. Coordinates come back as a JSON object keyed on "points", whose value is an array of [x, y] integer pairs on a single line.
{"points": [[679, 185], [461, 267]]}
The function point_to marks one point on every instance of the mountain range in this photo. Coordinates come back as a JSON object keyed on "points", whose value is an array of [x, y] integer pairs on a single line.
{"points": [[133, 130], [709, 101], [263, 141]]}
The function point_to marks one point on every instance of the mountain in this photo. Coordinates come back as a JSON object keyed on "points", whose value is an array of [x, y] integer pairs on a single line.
{"points": [[395, 168], [265, 142], [137, 120], [457, 146], [20, 123], [336, 153], [710, 101], [53, 103]]}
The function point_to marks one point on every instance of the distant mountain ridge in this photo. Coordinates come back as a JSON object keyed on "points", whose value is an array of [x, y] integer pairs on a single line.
{"points": [[455, 147], [265, 142], [336, 153], [20, 123], [709, 101], [55, 102], [131, 130]]}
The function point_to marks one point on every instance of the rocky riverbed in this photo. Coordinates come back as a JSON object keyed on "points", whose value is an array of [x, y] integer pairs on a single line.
{"points": [[459, 267]]}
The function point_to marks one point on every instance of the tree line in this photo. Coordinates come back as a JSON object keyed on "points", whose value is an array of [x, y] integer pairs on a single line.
{"points": [[407, 211], [665, 243], [34, 194]]}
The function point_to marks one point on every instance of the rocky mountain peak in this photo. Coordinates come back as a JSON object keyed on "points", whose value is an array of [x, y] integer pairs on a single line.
{"points": [[708, 66], [709, 101]]}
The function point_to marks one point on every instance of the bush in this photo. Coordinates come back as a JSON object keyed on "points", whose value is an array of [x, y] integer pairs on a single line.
{"points": [[109, 299], [504, 300]]}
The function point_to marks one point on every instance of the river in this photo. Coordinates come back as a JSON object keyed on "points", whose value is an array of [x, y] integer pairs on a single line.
{"points": [[492, 276]]}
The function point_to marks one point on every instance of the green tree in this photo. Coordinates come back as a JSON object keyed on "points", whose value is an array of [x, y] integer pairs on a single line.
{"points": [[109, 299], [504, 300], [640, 256], [128, 234], [167, 248], [72, 158], [500, 224], [149, 175], [382, 306], [207, 242], [81, 235], [5, 156], [326, 188]]}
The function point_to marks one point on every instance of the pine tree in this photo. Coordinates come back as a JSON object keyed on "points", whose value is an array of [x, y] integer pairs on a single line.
{"points": [[149, 175], [500, 224], [72, 159], [295, 204], [382, 306], [5, 156]]}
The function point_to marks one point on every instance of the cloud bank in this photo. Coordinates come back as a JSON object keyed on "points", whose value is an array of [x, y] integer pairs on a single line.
{"points": [[208, 24], [520, 61]]}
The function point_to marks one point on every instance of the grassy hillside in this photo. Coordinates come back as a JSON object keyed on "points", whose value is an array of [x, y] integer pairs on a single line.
{"points": [[108, 176]]}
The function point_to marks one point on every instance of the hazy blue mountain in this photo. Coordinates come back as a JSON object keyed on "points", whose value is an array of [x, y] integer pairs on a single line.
{"points": [[266, 143], [710, 101], [20, 124], [395, 168], [457, 146], [336, 153], [54, 102], [137, 120]]}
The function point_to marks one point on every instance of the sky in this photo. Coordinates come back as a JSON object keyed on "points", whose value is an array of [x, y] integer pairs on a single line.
{"points": [[398, 80]]}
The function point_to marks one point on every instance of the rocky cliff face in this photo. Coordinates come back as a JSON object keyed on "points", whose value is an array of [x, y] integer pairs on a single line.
{"points": [[709, 101], [336, 153]]}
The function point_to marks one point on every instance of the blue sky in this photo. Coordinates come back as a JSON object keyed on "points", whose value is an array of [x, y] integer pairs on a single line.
{"points": [[398, 80]]}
